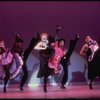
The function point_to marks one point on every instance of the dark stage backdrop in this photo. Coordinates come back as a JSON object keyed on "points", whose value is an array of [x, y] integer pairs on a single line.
{"points": [[28, 18]]}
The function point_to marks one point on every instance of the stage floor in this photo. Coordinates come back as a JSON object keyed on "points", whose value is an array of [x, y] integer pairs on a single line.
{"points": [[54, 92]]}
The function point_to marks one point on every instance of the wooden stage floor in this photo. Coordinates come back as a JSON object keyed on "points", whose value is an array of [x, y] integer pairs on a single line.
{"points": [[54, 92]]}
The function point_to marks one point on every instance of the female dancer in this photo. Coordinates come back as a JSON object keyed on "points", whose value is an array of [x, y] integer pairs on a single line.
{"points": [[6, 59], [54, 61], [45, 54], [17, 52], [90, 49]]}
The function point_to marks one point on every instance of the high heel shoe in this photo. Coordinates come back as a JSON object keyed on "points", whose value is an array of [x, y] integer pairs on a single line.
{"points": [[90, 86], [21, 88], [63, 87], [4, 89], [45, 90]]}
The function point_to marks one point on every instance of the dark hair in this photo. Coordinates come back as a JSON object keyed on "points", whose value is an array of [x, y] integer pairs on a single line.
{"points": [[18, 40], [99, 41], [62, 39]]}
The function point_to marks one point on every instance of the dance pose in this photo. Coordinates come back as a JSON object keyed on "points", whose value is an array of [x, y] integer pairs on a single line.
{"points": [[57, 45], [65, 60], [92, 51], [9, 58], [45, 53], [6, 59], [25, 57], [54, 61], [17, 52]]}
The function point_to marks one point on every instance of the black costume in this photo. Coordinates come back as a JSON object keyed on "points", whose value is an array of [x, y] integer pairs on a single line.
{"points": [[25, 57], [93, 66], [44, 70], [65, 60]]}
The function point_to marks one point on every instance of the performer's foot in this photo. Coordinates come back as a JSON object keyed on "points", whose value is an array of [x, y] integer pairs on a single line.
{"points": [[63, 87], [4, 89], [90, 86], [45, 90], [21, 88]]}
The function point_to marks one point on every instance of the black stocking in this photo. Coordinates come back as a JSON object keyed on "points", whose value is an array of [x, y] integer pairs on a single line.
{"points": [[7, 76], [90, 84], [45, 83]]}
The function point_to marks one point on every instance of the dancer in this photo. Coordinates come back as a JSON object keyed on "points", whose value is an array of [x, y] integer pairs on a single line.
{"points": [[90, 45], [17, 52], [17, 47], [65, 60], [57, 45], [25, 57], [54, 61], [90, 49], [6, 59], [45, 53]]}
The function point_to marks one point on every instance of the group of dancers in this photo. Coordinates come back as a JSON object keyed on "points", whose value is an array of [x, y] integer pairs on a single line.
{"points": [[52, 52]]}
